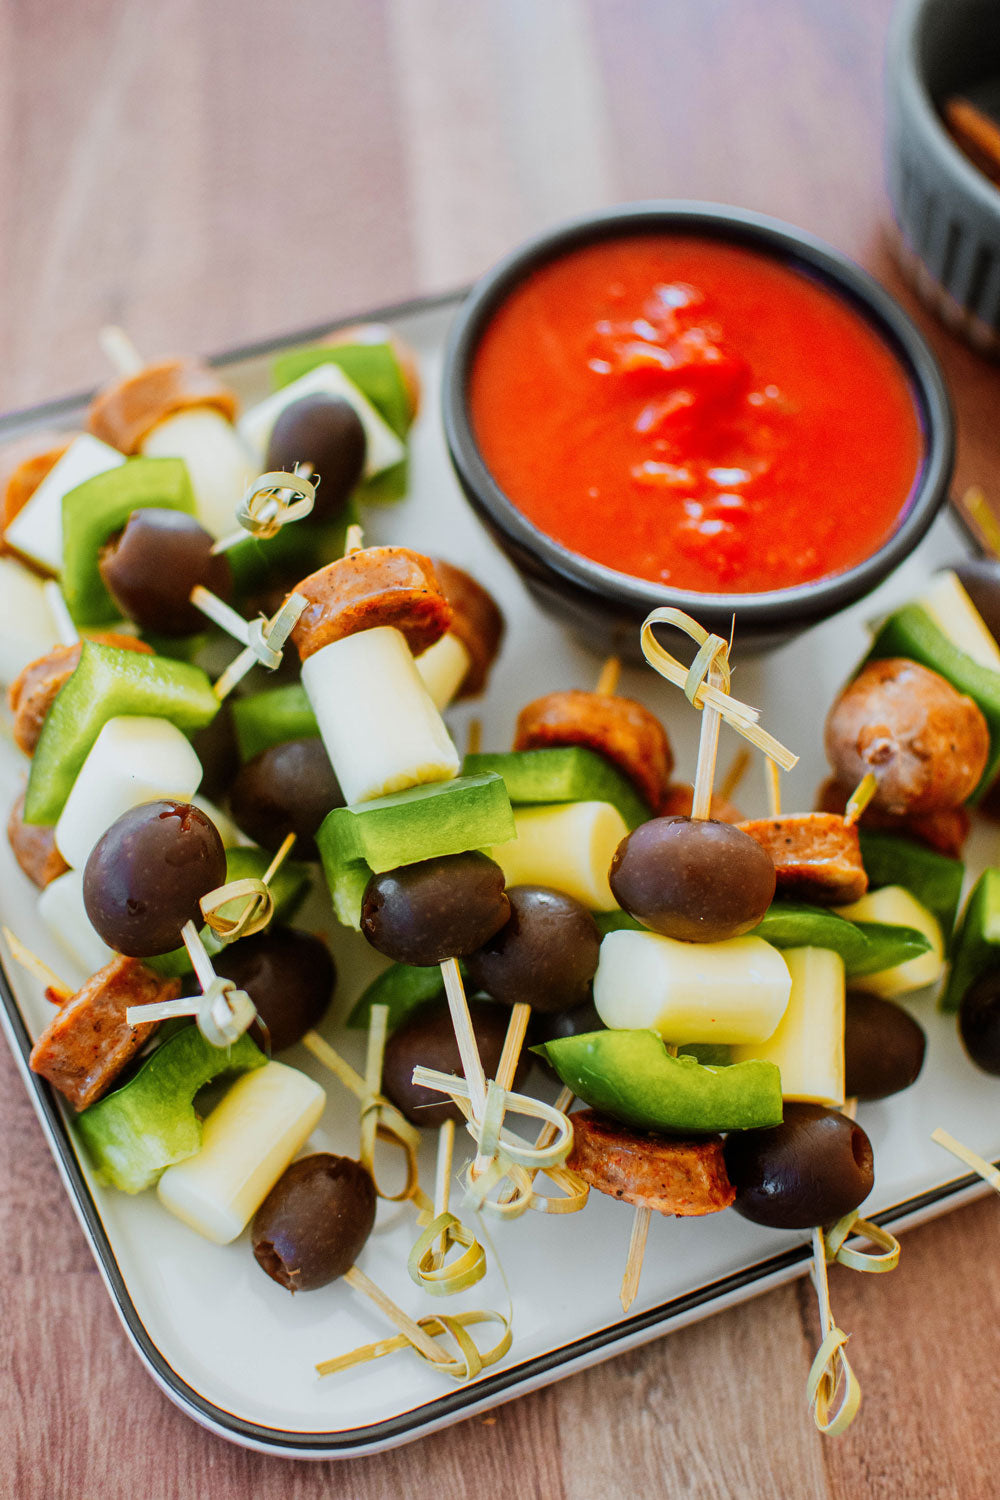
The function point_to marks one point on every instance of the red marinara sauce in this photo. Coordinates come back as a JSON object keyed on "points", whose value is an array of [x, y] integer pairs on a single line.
{"points": [[695, 413]]}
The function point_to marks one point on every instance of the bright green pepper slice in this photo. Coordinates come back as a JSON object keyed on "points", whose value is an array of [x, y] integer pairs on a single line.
{"points": [[933, 878], [133, 1134], [565, 773], [865, 947], [109, 683], [976, 946], [273, 717], [96, 510], [631, 1076]]}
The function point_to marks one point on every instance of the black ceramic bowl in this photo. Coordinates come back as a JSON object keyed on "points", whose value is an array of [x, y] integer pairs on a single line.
{"points": [[606, 607]]}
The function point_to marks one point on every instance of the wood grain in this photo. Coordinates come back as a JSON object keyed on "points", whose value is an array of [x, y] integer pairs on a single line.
{"points": [[212, 173]]}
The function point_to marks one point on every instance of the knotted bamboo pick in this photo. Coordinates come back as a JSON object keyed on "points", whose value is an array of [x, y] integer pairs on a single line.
{"points": [[222, 1011], [706, 685], [255, 893], [272, 501]]}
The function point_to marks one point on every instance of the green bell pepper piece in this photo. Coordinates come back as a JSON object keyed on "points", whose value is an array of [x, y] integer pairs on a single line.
{"points": [[374, 369], [569, 773], [976, 945], [272, 717], [865, 947], [403, 988], [109, 683], [933, 878], [422, 822], [296, 550], [631, 1076], [911, 632], [133, 1134], [97, 509], [289, 886]]}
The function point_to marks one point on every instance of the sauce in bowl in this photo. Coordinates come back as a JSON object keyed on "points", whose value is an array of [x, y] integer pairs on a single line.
{"points": [[695, 413]]}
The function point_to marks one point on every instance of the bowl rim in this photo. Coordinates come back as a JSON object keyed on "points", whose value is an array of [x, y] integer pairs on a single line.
{"points": [[803, 251], [906, 76]]}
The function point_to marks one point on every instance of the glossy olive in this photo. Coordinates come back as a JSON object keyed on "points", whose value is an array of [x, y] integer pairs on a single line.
{"points": [[327, 432], [545, 955], [435, 909], [147, 873], [979, 1021], [289, 976], [883, 1047], [153, 565], [313, 1224], [693, 878], [285, 789], [427, 1038], [809, 1171]]}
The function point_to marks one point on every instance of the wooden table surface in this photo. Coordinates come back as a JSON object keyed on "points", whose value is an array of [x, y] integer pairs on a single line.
{"points": [[208, 174]]}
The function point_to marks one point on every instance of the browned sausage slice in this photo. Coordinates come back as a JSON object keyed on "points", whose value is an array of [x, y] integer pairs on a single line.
{"points": [[685, 1178], [372, 587], [944, 830], [620, 729], [476, 621], [926, 744], [128, 409], [34, 848], [30, 695], [817, 857], [85, 1047]]}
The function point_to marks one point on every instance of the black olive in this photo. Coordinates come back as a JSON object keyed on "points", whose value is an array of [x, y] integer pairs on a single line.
{"points": [[545, 955], [427, 1038], [313, 1224], [289, 976], [979, 1021], [327, 432], [883, 1047], [807, 1172], [435, 909], [146, 875], [693, 878], [152, 566], [286, 788]]}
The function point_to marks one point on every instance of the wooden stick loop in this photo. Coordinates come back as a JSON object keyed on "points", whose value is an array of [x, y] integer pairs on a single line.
{"points": [[275, 499], [850, 1226], [473, 1359], [701, 693], [426, 1263], [265, 641], [830, 1371]]}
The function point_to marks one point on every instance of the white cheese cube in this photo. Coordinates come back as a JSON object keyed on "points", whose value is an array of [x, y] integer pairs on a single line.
{"points": [[380, 728], [443, 668], [36, 531], [953, 612], [27, 627], [218, 461], [899, 907], [808, 1046], [61, 908], [568, 847], [383, 449], [734, 991], [133, 760], [247, 1142]]}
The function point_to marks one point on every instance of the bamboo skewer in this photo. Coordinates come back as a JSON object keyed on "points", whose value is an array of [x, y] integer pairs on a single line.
{"points": [[55, 988]]}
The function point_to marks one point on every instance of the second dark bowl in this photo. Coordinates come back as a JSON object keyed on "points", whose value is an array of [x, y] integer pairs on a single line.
{"points": [[604, 607]]}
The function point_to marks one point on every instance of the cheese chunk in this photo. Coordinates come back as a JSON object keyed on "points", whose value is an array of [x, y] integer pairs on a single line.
{"points": [[443, 668], [378, 723], [217, 459], [36, 530], [247, 1142], [383, 448], [899, 907], [61, 908], [808, 1046], [27, 629], [133, 760], [736, 991], [947, 602], [568, 847]]}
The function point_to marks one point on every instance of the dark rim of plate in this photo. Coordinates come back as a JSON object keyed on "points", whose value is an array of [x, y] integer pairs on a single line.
{"points": [[802, 252], [488, 1389]]}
